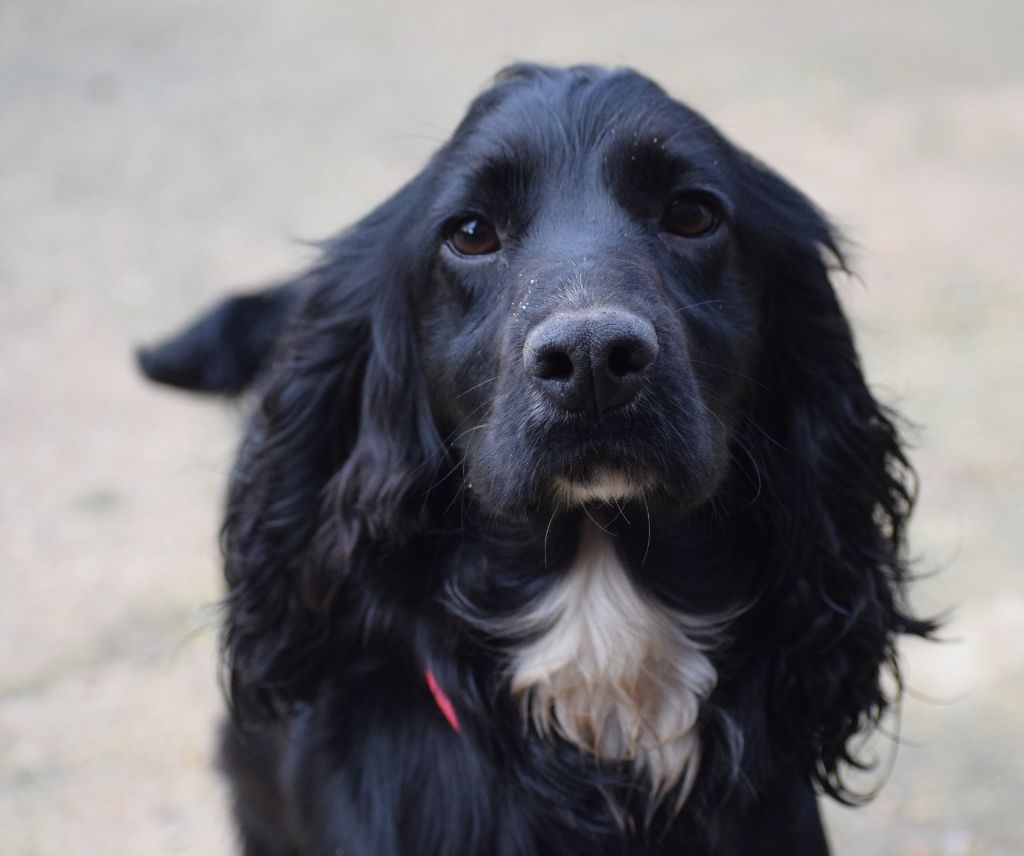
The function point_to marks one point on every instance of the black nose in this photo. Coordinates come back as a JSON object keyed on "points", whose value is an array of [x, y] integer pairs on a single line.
{"points": [[591, 360]]}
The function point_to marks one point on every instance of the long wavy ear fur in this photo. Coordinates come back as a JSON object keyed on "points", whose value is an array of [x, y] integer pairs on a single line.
{"points": [[340, 442], [838, 491]]}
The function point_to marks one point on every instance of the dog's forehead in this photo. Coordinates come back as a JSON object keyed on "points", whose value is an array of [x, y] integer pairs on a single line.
{"points": [[577, 111]]}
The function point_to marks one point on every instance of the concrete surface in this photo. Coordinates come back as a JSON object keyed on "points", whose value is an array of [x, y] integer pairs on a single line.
{"points": [[154, 155]]}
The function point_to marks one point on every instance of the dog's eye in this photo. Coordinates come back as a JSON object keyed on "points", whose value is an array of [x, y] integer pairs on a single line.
{"points": [[692, 215], [473, 236]]}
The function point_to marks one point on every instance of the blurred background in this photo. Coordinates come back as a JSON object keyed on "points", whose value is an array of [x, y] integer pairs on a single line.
{"points": [[154, 156]]}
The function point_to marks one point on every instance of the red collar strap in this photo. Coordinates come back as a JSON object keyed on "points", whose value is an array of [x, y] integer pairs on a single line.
{"points": [[444, 703]]}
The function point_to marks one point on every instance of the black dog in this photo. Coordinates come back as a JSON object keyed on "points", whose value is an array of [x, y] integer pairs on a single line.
{"points": [[566, 523]]}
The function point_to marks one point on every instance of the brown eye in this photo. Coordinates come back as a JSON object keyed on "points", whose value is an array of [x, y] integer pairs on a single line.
{"points": [[473, 236], [692, 215]]}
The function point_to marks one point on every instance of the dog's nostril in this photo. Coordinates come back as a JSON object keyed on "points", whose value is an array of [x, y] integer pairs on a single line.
{"points": [[631, 354], [553, 365], [624, 360]]}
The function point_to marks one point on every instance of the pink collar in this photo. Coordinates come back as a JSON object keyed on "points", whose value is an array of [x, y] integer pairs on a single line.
{"points": [[443, 702]]}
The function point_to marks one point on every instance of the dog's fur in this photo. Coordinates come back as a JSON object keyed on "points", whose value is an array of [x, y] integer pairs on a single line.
{"points": [[661, 600]]}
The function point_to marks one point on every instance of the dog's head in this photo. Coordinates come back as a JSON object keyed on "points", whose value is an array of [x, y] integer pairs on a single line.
{"points": [[587, 296], [589, 314]]}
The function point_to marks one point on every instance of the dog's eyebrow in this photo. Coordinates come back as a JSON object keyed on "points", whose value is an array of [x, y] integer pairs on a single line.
{"points": [[650, 164], [508, 166], [496, 183]]}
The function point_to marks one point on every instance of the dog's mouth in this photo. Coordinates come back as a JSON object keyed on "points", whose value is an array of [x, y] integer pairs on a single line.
{"points": [[548, 470], [604, 485]]}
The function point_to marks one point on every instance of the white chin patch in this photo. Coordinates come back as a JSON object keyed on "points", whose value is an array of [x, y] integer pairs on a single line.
{"points": [[606, 487]]}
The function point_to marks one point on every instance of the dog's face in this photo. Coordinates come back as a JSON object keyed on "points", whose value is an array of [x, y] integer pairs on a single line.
{"points": [[589, 321]]}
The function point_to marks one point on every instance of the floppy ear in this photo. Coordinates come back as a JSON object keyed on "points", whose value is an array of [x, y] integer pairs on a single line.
{"points": [[838, 490], [226, 347], [335, 463]]}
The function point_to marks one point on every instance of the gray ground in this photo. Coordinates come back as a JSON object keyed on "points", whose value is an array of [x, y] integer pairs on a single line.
{"points": [[154, 155]]}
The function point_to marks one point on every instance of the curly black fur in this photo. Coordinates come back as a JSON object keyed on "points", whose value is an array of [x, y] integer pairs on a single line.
{"points": [[372, 521]]}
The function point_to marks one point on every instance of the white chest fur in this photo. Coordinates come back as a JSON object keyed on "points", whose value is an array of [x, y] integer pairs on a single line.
{"points": [[613, 671]]}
